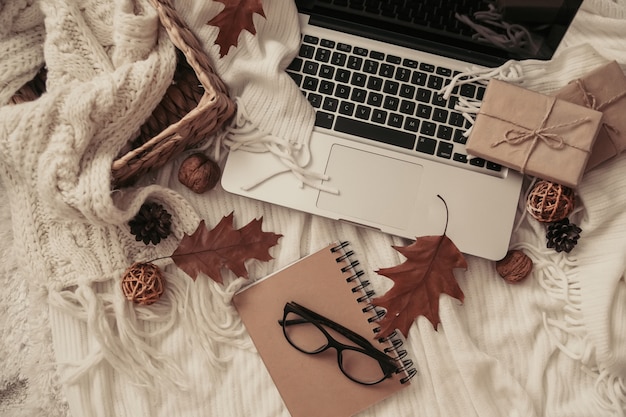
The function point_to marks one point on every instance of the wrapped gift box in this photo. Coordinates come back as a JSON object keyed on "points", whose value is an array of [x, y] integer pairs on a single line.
{"points": [[533, 133], [603, 89]]}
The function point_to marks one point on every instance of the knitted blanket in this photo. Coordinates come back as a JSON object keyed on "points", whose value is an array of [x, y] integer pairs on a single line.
{"points": [[72, 345]]}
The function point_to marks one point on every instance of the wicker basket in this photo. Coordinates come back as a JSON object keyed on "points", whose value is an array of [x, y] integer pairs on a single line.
{"points": [[195, 106]]}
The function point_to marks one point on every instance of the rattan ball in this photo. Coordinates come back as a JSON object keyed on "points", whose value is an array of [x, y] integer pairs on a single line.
{"points": [[143, 283], [550, 202], [515, 266]]}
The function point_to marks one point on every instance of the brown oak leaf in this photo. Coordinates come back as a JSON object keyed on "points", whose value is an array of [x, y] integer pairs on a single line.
{"points": [[418, 283], [208, 251], [234, 18]]}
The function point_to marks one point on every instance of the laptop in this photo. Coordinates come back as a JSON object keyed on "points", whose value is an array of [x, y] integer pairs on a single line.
{"points": [[391, 148]]}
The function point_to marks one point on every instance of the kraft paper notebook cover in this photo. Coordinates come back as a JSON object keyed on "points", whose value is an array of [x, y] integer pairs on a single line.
{"points": [[329, 283]]}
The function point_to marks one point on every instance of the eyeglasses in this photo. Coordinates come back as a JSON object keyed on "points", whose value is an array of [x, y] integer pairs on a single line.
{"points": [[361, 361]]}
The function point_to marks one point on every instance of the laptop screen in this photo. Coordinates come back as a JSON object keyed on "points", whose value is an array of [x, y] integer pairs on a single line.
{"points": [[485, 32]]}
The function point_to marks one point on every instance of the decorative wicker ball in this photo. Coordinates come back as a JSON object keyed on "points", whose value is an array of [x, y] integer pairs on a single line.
{"points": [[143, 283], [550, 202], [515, 266]]}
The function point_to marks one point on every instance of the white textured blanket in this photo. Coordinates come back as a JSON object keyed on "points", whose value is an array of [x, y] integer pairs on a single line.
{"points": [[71, 345]]}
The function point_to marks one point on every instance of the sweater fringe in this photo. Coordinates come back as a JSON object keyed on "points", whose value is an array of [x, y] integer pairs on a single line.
{"points": [[128, 337], [557, 276]]}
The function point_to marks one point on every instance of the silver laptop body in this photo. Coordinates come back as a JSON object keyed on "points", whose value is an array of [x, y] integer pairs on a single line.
{"points": [[395, 164]]}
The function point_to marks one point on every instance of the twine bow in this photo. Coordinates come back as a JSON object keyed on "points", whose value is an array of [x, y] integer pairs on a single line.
{"points": [[521, 134]]}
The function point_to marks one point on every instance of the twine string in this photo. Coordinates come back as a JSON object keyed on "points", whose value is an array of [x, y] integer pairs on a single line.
{"points": [[521, 134], [592, 103]]}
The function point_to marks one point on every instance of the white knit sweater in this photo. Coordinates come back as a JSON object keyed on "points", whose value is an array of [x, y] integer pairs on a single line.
{"points": [[547, 347]]}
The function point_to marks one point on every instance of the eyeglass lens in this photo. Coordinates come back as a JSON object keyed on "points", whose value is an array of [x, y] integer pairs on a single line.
{"points": [[310, 338]]}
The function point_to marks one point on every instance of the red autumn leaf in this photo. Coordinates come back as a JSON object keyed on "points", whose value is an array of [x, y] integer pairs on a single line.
{"points": [[235, 17], [208, 252], [418, 283]]}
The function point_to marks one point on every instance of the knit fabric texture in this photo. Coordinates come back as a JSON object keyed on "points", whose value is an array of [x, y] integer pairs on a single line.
{"points": [[547, 347]]}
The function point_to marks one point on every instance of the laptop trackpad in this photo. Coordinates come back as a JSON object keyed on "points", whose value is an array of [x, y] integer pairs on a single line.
{"points": [[372, 187]]}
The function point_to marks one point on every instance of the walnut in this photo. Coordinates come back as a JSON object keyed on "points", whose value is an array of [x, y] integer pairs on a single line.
{"points": [[515, 266], [199, 173]]}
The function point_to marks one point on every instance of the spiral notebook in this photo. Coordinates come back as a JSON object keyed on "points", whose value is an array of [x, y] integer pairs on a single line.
{"points": [[330, 283]]}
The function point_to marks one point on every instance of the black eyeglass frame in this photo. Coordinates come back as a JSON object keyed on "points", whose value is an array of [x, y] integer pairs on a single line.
{"points": [[387, 364]]}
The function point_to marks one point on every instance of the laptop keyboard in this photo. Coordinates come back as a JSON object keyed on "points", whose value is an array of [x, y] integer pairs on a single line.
{"points": [[386, 99]]}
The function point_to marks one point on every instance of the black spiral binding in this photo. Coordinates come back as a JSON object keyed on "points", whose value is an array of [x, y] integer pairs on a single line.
{"points": [[394, 340]]}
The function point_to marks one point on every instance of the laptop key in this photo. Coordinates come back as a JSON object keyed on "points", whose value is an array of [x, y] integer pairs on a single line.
{"points": [[346, 108], [326, 71], [371, 67], [459, 136], [391, 103], [310, 83], [419, 78], [325, 120], [307, 51], [344, 47], [444, 132], [407, 106], [395, 120], [435, 82], [407, 91], [374, 83], [456, 119], [444, 150], [477, 162], [468, 90], [310, 67], [460, 157], [391, 87], [358, 79], [427, 67], [297, 78], [343, 75], [379, 116], [411, 124], [424, 111], [428, 128], [377, 55], [409, 63], [342, 91], [423, 95], [331, 104], [323, 55], [493, 166], [338, 59], [326, 87], [386, 70], [375, 132], [375, 99], [438, 100], [440, 115], [426, 145], [403, 74], [355, 63], [363, 112], [295, 65], [358, 95]]}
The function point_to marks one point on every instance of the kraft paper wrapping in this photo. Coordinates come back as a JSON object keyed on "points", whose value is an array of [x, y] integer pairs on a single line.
{"points": [[603, 89], [535, 134]]}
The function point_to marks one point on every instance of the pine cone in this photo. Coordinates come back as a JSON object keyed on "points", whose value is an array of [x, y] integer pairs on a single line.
{"points": [[151, 224], [563, 235]]}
